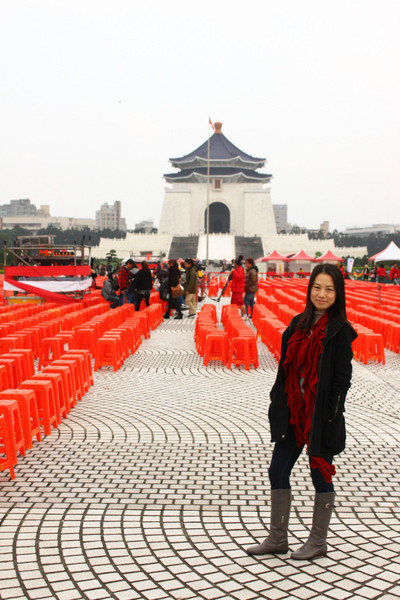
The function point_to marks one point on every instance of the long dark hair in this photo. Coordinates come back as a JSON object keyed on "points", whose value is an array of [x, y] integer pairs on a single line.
{"points": [[238, 260], [337, 312]]}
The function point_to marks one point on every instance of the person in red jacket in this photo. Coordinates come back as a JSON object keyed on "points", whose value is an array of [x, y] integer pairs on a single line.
{"points": [[394, 274], [237, 277], [381, 273]]}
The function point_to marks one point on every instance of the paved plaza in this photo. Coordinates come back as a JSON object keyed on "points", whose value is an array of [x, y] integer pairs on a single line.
{"points": [[158, 479]]}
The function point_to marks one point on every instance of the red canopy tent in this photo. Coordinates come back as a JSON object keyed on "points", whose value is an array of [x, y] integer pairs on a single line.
{"points": [[328, 256], [301, 256], [275, 255]]}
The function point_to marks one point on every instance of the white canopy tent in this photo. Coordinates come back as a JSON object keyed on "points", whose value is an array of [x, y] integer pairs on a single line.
{"points": [[391, 252]]}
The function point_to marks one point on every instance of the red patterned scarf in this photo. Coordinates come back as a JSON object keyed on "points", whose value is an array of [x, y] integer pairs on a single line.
{"points": [[301, 371]]}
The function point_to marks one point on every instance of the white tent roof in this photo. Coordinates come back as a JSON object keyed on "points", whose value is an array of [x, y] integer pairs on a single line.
{"points": [[391, 252]]}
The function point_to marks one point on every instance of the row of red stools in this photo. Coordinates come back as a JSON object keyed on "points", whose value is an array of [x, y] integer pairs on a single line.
{"points": [[115, 344], [269, 328], [376, 327], [235, 344], [30, 401]]}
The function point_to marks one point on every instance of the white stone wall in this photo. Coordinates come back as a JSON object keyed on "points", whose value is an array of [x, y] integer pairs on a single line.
{"points": [[286, 243], [133, 245], [258, 217], [220, 245], [249, 204], [175, 214]]}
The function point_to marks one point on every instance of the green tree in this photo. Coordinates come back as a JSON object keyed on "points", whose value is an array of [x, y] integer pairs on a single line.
{"points": [[112, 258]]}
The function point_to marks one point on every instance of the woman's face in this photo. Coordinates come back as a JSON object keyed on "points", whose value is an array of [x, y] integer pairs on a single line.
{"points": [[323, 293]]}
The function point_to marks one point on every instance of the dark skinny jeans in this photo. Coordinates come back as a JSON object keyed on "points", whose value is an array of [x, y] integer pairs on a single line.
{"points": [[284, 458], [249, 302]]}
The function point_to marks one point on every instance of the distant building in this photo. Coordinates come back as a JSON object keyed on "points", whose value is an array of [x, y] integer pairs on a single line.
{"points": [[18, 208], [109, 217], [324, 227], [364, 232], [147, 225], [239, 196], [280, 213], [36, 222]]}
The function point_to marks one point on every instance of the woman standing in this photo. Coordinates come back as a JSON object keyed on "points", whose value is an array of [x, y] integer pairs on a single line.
{"points": [[250, 286], [173, 280], [237, 286], [307, 406], [143, 284]]}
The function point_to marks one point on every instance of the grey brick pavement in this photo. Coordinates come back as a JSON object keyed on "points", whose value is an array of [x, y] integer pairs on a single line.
{"points": [[158, 479]]}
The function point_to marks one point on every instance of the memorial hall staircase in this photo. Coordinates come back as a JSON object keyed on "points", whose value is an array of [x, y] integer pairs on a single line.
{"points": [[184, 247], [248, 247]]}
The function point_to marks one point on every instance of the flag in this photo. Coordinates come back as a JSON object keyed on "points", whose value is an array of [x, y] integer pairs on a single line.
{"points": [[210, 122]]}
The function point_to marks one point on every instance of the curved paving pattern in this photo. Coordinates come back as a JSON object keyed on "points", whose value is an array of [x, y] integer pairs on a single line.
{"points": [[158, 478]]}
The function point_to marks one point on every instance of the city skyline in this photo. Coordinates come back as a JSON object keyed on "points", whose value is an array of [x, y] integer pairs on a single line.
{"points": [[97, 98]]}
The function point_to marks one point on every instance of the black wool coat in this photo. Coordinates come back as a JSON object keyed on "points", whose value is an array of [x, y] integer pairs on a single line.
{"points": [[328, 432]]}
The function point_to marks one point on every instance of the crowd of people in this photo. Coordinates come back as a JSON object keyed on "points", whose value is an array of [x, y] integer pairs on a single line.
{"points": [[181, 285], [379, 274], [176, 283]]}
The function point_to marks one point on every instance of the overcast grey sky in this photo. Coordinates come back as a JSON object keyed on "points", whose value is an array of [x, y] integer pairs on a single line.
{"points": [[96, 96]]}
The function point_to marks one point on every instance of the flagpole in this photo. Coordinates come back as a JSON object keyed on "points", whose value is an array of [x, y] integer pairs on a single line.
{"points": [[208, 194]]}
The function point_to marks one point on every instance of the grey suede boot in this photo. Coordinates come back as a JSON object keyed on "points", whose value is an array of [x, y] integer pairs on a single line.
{"points": [[316, 543], [276, 542]]}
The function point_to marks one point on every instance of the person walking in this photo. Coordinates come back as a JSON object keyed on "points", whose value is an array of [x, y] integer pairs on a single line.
{"points": [[190, 286], [238, 284], [365, 275], [172, 281], [250, 286], [381, 273], [144, 285], [306, 409], [124, 278], [393, 275]]}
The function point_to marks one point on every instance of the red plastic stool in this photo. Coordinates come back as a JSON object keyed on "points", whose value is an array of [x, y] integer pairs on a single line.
{"points": [[59, 392], [4, 380], [35, 340], [65, 372], [51, 348], [67, 338], [370, 346], [216, 347], [7, 448], [108, 352], [29, 413], [87, 364], [132, 337], [6, 343], [9, 409], [243, 351], [23, 368], [73, 364], [85, 338], [13, 374], [202, 333], [29, 364], [137, 328], [144, 322], [45, 402], [393, 339], [122, 335]]}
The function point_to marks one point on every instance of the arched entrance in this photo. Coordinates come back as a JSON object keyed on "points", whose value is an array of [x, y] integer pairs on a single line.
{"points": [[220, 218]]}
